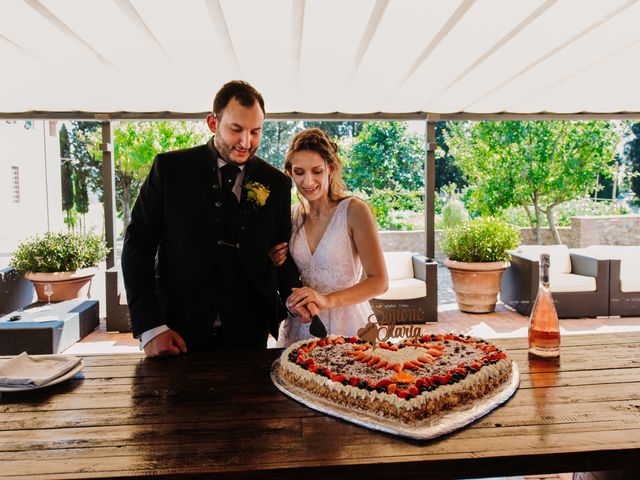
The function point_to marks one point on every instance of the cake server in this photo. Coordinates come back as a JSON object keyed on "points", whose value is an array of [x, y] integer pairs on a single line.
{"points": [[317, 328]]}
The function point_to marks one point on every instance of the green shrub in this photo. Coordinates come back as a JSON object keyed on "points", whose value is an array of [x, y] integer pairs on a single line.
{"points": [[453, 213], [59, 252], [481, 240], [386, 202]]}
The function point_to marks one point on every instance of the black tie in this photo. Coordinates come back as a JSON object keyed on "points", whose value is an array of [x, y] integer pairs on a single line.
{"points": [[229, 174]]}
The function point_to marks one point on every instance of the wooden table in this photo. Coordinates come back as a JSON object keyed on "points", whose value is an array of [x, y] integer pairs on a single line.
{"points": [[219, 416]]}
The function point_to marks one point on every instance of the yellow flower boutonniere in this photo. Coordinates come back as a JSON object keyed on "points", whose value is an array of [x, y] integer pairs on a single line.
{"points": [[257, 193]]}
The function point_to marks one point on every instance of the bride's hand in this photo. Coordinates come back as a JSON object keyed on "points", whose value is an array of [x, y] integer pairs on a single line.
{"points": [[278, 253], [302, 296]]}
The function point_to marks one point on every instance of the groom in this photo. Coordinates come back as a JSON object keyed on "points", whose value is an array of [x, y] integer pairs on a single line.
{"points": [[195, 257]]}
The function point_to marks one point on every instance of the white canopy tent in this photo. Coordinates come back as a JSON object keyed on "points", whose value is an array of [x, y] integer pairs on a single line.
{"points": [[321, 59], [402, 58]]}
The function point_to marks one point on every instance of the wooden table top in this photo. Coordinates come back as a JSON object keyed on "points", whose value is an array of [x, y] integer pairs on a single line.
{"points": [[217, 415]]}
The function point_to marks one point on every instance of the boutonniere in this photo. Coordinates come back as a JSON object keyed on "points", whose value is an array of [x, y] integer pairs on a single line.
{"points": [[257, 193]]}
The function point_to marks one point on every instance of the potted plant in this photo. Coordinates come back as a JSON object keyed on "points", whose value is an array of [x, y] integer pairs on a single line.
{"points": [[478, 254], [64, 262]]}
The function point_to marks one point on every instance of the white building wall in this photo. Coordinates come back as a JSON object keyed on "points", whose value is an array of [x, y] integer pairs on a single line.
{"points": [[32, 147]]}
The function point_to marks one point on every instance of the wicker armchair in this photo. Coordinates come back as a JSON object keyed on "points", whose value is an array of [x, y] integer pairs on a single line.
{"points": [[579, 283]]}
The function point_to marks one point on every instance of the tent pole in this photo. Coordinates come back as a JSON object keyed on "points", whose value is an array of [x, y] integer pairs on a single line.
{"points": [[108, 177], [431, 315]]}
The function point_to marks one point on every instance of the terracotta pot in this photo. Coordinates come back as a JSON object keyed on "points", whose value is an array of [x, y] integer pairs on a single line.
{"points": [[476, 284], [66, 285]]}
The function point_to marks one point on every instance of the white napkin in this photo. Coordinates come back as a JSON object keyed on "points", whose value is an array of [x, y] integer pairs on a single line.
{"points": [[33, 371]]}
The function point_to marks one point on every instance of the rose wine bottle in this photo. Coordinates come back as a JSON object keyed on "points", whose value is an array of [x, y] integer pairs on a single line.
{"points": [[544, 328]]}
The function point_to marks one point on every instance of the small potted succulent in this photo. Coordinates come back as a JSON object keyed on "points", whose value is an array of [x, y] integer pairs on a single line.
{"points": [[478, 254], [60, 265]]}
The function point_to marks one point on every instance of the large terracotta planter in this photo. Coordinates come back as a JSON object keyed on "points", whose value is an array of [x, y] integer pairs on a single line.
{"points": [[476, 284], [66, 285]]}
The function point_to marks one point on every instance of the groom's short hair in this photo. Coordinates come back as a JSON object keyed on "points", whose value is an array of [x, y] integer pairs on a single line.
{"points": [[242, 91]]}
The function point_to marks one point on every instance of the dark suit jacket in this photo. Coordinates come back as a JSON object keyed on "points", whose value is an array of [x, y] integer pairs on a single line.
{"points": [[174, 232]]}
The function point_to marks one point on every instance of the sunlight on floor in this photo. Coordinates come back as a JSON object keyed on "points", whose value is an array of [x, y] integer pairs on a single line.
{"points": [[503, 323]]}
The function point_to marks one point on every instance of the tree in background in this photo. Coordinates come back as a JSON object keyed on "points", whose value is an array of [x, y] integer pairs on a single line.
{"points": [[447, 172], [136, 145], [276, 138], [537, 165], [66, 176], [385, 155], [85, 164], [335, 130], [632, 152], [81, 196]]}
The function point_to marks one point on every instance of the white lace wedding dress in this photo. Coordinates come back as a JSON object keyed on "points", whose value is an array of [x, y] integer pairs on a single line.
{"points": [[333, 266]]}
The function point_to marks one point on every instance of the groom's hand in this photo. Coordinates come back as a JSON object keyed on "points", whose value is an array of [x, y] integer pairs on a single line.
{"points": [[301, 313], [164, 344], [278, 253]]}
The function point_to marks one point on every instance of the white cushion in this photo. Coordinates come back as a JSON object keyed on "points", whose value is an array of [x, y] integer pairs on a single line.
{"points": [[570, 282], [405, 289], [630, 270], [630, 283], [629, 256], [559, 256], [122, 298], [606, 252], [399, 265]]}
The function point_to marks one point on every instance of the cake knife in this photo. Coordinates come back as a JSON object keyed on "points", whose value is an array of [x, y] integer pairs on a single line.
{"points": [[317, 328]]}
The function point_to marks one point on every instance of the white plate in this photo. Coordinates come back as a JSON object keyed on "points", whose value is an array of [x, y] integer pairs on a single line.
{"points": [[61, 378], [442, 424]]}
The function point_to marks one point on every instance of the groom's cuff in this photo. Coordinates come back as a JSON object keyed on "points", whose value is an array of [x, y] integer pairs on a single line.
{"points": [[149, 335]]}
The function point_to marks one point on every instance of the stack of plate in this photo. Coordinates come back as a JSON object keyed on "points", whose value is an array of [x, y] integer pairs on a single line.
{"points": [[30, 372]]}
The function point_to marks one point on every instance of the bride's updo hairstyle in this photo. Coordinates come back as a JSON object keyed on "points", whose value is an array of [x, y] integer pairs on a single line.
{"points": [[316, 140]]}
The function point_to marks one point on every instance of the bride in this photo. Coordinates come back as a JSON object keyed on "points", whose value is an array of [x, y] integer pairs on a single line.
{"points": [[334, 237]]}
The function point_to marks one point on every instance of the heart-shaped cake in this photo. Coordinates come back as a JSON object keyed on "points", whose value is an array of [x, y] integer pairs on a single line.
{"points": [[410, 380]]}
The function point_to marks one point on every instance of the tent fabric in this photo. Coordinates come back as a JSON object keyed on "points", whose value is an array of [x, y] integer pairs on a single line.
{"points": [[322, 56]]}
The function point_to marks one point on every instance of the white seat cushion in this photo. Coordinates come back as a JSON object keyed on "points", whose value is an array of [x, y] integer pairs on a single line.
{"points": [[404, 289], [122, 298], [399, 265], [570, 282], [560, 260]]}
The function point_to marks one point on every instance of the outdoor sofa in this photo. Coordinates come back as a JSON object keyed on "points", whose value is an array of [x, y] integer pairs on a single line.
{"points": [[579, 283], [411, 276], [15, 291], [624, 276]]}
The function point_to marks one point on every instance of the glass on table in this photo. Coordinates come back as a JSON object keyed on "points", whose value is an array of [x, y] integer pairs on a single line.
{"points": [[48, 291]]}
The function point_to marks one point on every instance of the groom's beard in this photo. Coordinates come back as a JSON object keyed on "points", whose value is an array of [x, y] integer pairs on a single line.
{"points": [[226, 151]]}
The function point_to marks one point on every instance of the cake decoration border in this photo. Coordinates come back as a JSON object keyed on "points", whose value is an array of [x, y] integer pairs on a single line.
{"points": [[446, 422]]}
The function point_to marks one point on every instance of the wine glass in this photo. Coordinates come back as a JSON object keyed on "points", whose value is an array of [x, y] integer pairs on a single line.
{"points": [[48, 291]]}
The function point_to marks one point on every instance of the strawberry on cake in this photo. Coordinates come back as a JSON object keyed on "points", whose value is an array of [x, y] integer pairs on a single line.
{"points": [[412, 380]]}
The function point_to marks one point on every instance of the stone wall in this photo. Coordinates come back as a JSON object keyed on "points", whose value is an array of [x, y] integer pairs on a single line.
{"points": [[584, 231], [609, 230]]}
